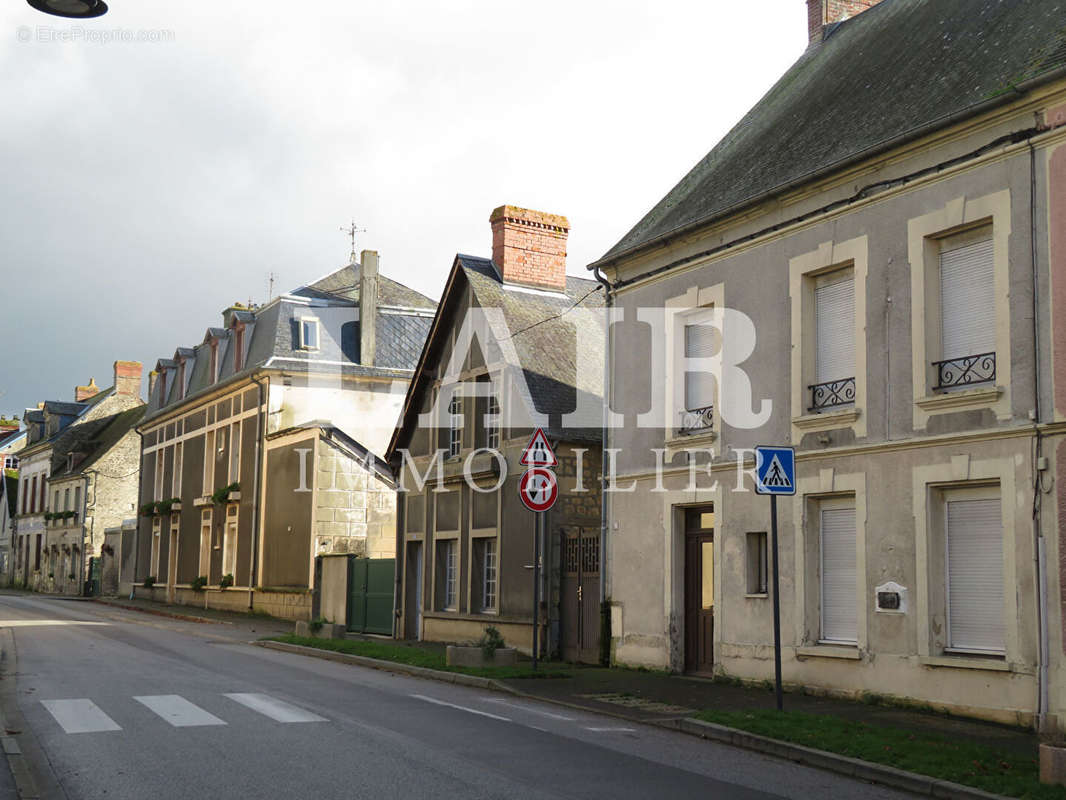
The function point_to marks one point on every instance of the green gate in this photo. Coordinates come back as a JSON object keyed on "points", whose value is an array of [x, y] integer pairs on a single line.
{"points": [[370, 594]]}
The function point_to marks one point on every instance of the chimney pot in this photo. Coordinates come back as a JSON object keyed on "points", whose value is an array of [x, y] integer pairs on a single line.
{"points": [[128, 378], [529, 247]]}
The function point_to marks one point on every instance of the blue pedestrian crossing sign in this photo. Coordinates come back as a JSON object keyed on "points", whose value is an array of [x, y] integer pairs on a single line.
{"points": [[775, 470]]}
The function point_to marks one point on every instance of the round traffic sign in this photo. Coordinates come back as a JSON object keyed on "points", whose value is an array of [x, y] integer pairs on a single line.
{"points": [[538, 489]]}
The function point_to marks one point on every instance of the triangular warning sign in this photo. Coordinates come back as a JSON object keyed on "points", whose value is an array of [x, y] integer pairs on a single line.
{"points": [[538, 452], [775, 475]]}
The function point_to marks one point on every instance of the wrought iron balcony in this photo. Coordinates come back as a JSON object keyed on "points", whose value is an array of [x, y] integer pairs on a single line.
{"points": [[965, 371], [832, 394], [696, 420]]}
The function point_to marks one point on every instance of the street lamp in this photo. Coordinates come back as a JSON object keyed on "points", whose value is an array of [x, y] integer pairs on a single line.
{"points": [[79, 9]]}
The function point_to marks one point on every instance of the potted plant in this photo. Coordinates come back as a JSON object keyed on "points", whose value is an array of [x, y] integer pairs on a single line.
{"points": [[226, 493], [198, 583], [148, 510], [149, 582], [226, 582]]}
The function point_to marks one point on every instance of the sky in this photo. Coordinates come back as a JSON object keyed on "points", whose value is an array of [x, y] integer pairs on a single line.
{"points": [[162, 161]]}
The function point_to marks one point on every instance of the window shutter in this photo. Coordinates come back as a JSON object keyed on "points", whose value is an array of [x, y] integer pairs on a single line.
{"points": [[834, 310], [967, 301], [975, 576], [701, 341], [839, 622]]}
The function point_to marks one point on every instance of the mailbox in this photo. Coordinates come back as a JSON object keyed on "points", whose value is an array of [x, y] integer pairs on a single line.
{"points": [[888, 601], [891, 598]]}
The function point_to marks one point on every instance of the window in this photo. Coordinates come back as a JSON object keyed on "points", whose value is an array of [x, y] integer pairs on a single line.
{"points": [[163, 386], [178, 464], [235, 452], [66, 500], [967, 321], [11, 462], [838, 572], [209, 463], [157, 526], [757, 562], [974, 558], [451, 576], [492, 423], [205, 541], [42, 492], [25, 494], [833, 382], [455, 426], [181, 379], [77, 503], [229, 547], [415, 513], [488, 575], [700, 341], [33, 496], [37, 553], [157, 488], [238, 348], [308, 334]]}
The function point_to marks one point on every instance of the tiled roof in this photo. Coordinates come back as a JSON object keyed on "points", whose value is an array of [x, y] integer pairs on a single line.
{"points": [[900, 68]]}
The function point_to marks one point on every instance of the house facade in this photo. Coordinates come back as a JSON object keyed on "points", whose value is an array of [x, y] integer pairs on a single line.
{"points": [[261, 446], [501, 360], [77, 476], [873, 265], [12, 440]]}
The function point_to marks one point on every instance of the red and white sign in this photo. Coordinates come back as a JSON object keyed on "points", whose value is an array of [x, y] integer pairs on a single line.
{"points": [[538, 489], [538, 452]]}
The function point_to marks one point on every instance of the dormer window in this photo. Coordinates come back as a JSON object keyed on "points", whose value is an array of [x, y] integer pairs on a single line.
{"points": [[163, 386], [308, 327], [181, 379], [238, 348], [213, 344]]}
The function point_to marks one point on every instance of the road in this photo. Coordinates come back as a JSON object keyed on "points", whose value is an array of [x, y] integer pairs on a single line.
{"points": [[119, 704]]}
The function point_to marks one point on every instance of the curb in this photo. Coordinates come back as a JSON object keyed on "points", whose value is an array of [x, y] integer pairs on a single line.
{"points": [[807, 756], [160, 613]]}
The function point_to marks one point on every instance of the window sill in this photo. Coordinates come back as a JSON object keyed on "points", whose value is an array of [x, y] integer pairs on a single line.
{"points": [[963, 398], [757, 595], [842, 651], [201, 501], [827, 421], [990, 663], [678, 442]]}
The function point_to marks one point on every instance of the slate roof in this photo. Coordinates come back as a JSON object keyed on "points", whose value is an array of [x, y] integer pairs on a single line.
{"points": [[344, 284], [7, 439], [901, 68], [91, 440]]}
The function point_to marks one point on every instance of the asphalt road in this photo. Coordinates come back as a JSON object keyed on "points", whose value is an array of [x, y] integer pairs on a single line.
{"points": [[117, 704]]}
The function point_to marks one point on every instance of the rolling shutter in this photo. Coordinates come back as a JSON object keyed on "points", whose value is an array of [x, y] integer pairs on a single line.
{"points": [[975, 576], [834, 311], [967, 301], [700, 342], [839, 623]]}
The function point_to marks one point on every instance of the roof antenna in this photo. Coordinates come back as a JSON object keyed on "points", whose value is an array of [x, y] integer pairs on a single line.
{"points": [[351, 231], [271, 277]]}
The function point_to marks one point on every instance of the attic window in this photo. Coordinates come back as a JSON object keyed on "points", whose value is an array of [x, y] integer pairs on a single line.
{"points": [[238, 348], [308, 333], [214, 360]]}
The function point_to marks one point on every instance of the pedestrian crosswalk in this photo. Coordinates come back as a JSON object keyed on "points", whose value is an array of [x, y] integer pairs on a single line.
{"points": [[82, 715]]}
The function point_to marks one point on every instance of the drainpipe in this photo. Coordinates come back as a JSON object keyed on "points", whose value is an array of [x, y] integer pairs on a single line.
{"points": [[137, 528], [84, 514], [605, 647], [1039, 552], [260, 455]]}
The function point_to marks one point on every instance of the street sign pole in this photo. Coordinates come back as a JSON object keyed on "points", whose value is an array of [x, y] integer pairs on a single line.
{"points": [[536, 586], [777, 604]]}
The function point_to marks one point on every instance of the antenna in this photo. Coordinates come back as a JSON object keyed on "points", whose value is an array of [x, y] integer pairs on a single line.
{"points": [[271, 277], [351, 231]]}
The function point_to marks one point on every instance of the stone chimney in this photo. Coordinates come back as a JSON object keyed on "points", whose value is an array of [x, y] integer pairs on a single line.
{"points": [[128, 378], [821, 13], [529, 247], [83, 393], [368, 306]]}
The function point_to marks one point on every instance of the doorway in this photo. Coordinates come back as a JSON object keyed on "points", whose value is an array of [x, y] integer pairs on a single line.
{"points": [[581, 594], [413, 592], [699, 589], [172, 564]]}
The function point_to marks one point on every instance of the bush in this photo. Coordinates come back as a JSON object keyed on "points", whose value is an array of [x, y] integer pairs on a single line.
{"points": [[149, 582], [316, 624], [198, 583], [219, 496], [164, 506], [491, 641], [226, 582], [148, 510]]}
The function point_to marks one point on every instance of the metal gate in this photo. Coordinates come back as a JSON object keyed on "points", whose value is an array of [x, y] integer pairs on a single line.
{"points": [[370, 585], [92, 585], [581, 594]]}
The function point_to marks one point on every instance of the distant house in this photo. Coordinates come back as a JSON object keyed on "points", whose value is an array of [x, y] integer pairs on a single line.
{"points": [[12, 440], [504, 356], [77, 476], [261, 446]]}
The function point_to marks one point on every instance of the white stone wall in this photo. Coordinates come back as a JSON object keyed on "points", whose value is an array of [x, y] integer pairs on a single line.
{"points": [[355, 511]]}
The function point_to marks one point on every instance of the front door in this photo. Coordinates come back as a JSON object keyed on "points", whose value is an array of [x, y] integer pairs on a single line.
{"points": [[699, 589], [581, 594], [172, 565], [413, 592]]}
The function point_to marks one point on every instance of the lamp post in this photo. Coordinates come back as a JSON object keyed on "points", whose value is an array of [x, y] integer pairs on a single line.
{"points": [[76, 9]]}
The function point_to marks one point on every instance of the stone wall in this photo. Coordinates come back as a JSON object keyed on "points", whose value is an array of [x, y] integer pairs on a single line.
{"points": [[355, 510], [283, 605]]}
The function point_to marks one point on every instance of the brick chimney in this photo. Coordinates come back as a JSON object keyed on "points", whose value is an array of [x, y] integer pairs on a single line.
{"points": [[821, 13], [8, 425], [368, 306], [529, 247], [128, 378], [83, 393]]}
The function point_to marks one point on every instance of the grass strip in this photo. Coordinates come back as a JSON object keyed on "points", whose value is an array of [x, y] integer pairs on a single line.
{"points": [[420, 657], [956, 759]]}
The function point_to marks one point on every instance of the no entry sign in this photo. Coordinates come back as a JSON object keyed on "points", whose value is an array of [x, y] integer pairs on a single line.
{"points": [[538, 489]]}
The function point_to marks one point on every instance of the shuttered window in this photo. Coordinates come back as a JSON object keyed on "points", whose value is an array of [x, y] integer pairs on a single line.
{"points": [[701, 341], [839, 621], [975, 576], [834, 311], [967, 300]]}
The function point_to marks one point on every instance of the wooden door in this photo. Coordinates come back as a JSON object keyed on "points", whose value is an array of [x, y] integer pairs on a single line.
{"points": [[581, 594], [699, 590]]}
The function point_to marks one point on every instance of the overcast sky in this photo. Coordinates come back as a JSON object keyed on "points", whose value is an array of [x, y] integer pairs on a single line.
{"points": [[146, 185]]}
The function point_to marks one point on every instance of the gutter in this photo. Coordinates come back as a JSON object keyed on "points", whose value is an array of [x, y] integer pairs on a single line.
{"points": [[137, 530], [877, 149]]}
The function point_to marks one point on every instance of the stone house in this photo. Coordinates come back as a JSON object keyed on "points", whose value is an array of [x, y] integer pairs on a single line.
{"points": [[876, 260], [504, 357], [12, 440], [261, 446], [78, 476]]}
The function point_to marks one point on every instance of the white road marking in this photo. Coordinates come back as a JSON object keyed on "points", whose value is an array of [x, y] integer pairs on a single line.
{"points": [[530, 710], [612, 730], [277, 710], [178, 711], [80, 716], [28, 623], [461, 708]]}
